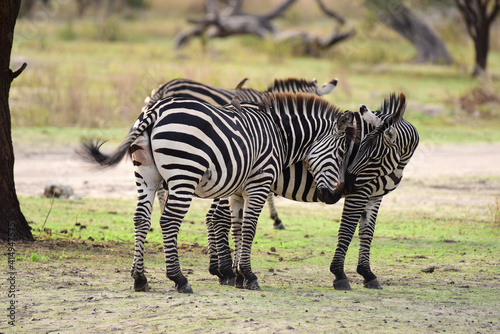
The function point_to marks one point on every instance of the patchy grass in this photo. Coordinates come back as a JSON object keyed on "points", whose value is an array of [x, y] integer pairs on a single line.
{"points": [[439, 270]]}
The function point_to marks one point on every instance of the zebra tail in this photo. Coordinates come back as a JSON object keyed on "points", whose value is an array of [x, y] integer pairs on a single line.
{"points": [[91, 150]]}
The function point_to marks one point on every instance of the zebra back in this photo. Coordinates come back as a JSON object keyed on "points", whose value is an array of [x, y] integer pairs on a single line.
{"points": [[217, 96], [294, 85]]}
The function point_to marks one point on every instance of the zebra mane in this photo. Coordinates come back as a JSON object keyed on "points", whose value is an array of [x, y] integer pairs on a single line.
{"points": [[304, 103], [293, 85], [394, 106], [390, 105]]}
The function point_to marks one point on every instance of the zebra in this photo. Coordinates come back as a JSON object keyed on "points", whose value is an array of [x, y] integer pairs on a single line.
{"points": [[197, 149], [376, 170], [374, 167], [185, 88]]}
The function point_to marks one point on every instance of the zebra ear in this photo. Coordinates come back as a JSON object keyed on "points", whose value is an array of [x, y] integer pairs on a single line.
{"points": [[398, 114], [345, 121], [389, 132], [368, 116], [241, 83], [328, 87]]}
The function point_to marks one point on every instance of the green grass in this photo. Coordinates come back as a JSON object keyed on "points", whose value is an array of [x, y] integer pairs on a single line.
{"points": [[76, 79], [432, 131], [98, 220], [89, 269]]}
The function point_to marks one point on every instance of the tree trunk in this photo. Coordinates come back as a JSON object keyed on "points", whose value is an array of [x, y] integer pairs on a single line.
{"points": [[400, 18], [481, 46], [13, 224], [479, 16]]}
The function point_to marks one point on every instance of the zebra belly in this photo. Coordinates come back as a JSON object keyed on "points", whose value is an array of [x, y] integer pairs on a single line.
{"points": [[212, 186]]}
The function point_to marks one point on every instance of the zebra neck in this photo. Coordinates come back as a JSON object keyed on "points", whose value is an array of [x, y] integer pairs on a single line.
{"points": [[363, 128], [297, 140]]}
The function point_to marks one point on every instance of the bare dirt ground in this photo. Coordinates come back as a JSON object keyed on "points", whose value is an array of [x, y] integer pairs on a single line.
{"points": [[95, 297], [432, 165]]}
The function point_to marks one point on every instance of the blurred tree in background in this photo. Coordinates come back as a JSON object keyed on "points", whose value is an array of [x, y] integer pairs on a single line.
{"points": [[399, 17], [479, 16], [227, 18], [13, 224]]}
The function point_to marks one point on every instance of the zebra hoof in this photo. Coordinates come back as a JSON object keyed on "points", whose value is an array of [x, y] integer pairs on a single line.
{"points": [[254, 285], [373, 284], [342, 284], [231, 281], [278, 225], [213, 271], [227, 281], [238, 282], [141, 284], [186, 288]]}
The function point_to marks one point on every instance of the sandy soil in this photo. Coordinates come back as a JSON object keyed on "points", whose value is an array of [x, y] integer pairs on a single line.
{"points": [[430, 164], [88, 289]]}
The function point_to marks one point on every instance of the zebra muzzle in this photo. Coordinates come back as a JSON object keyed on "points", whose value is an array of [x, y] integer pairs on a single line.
{"points": [[330, 197]]}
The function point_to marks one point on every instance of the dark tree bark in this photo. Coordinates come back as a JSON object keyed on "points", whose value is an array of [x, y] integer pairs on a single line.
{"points": [[13, 224], [400, 18], [479, 16], [232, 21]]}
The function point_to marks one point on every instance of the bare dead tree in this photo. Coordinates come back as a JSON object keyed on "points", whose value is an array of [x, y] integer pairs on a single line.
{"points": [[234, 21], [311, 44], [330, 13], [13, 224], [479, 16], [396, 15]]}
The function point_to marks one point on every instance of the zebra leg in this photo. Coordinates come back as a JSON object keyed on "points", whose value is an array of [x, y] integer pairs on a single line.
{"points": [[222, 225], [353, 207], [366, 230], [212, 243], [278, 224], [237, 204], [176, 207], [161, 193], [147, 179], [142, 224], [218, 222], [250, 214]]}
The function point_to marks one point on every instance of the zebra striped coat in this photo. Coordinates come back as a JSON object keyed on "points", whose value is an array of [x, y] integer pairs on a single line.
{"points": [[211, 152], [375, 168], [189, 89]]}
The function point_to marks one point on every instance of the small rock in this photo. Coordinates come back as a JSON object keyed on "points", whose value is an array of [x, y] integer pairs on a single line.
{"points": [[57, 190]]}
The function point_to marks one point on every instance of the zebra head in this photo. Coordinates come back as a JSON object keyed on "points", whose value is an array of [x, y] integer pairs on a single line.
{"points": [[326, 159], [386, 150], [294, 85]]}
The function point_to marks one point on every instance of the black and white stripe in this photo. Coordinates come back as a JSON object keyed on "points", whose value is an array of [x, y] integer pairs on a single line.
{"points": [[376, 165], [376, 170], [197, 149], [189, 89]]}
